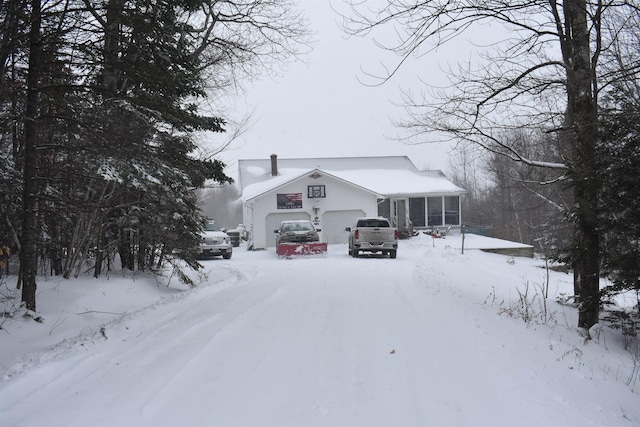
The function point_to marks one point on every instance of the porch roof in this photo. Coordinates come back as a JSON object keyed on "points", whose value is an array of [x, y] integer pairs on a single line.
{"points": [[398, 182]]}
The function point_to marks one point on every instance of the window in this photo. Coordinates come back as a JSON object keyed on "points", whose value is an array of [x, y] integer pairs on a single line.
{"points": [[315, 191], [379, 223], [417, 211], [434, 210], [452, 210]]}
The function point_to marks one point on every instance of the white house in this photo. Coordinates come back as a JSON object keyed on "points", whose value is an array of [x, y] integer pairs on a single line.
{"points": [[333, 192]]}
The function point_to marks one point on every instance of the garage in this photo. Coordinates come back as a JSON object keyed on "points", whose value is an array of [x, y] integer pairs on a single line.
{"points": [[336, 191], [273, 221], [334, 222]]}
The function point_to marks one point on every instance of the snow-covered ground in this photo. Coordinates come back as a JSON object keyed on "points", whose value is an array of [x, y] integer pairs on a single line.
{"points": [[432, 338]]}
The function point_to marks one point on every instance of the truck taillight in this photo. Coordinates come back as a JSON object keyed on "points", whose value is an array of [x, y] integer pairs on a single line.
{"points": [[395, 234], [356, 234]]}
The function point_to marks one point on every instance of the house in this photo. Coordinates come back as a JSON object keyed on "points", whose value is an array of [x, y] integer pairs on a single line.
{"points": [[333, 192]]}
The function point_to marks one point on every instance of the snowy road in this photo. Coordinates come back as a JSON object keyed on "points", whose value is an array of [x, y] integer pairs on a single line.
{"points": [[331, 341]]}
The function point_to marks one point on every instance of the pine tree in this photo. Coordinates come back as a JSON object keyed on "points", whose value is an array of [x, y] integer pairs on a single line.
{"points": [[105, 129], [619, 159]]}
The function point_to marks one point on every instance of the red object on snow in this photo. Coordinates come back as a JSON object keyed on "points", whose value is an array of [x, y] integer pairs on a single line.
{"points": [[293, 249]]}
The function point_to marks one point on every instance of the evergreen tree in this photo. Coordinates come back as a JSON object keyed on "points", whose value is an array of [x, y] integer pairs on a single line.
{"points": [[619, 157], [104, 131]]}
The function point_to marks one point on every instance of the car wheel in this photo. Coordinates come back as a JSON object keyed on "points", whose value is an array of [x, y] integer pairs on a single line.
{"points": [[392, 254], [354, 252], [226, 256]]}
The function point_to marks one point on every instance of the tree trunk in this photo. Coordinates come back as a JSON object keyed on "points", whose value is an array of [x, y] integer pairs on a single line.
{"points": [[582, 118], [112, 45], [29, 240], [125, 249], [99, 250], [56, 250]]}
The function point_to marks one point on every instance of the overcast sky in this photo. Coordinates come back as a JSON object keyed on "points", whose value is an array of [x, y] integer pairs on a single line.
{"points": [[320, 109]]}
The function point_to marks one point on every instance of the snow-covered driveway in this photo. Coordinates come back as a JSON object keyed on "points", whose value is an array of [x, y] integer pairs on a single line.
{"points": [[330, 341]]}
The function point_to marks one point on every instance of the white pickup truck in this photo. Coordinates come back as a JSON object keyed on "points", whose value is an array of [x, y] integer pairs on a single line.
{"points": [[373, 235]]}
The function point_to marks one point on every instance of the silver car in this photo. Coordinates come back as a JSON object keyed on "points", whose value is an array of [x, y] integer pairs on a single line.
{"points": [[215, 242]]}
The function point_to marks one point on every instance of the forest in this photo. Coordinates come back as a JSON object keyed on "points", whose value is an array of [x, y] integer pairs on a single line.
{"points": [[546, 122], [100, 106], [102, 102]]}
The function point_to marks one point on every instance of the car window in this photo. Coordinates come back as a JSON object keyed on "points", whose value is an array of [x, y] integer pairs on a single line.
{"points": [[297, 226], [211, 226], [372, 223]]}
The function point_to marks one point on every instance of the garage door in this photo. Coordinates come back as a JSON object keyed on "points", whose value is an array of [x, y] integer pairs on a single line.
{"points": [[334, 222], [273, 222]]}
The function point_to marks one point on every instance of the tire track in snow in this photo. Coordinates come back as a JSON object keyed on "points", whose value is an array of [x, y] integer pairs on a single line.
{"points": [[99, 358], [295, 342]]}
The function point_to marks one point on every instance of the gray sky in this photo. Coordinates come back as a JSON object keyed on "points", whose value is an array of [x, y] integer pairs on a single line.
{"points": [[320, 109]]}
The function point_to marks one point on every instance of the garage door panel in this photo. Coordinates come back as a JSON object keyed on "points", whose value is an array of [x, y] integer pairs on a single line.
{"points": [[334, 222]]}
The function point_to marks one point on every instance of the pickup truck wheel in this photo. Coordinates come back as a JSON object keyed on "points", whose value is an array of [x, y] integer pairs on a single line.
{"points": [[392, 254], [226, 256], [350, 251], [354, 252]]}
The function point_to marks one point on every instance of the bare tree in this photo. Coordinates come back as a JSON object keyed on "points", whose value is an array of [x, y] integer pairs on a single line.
{"points": [[546, 72], [534, 200], [222, 203]]}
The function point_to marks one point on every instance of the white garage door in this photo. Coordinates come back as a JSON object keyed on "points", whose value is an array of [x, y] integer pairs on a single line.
{"points": [[334, 222], [273, 221]]}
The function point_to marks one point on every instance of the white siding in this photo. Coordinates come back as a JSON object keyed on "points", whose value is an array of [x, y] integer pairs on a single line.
{"points": [[340, 196], [334, 223]]}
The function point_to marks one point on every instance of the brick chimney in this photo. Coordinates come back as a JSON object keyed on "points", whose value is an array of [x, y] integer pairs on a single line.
{"points": [[274, 165]]}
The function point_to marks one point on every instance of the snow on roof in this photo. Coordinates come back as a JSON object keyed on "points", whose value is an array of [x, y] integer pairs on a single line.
{"points": [[400, 182], [381, 175], [333, 163], [257, 170], [287, 175], [253, 190]]}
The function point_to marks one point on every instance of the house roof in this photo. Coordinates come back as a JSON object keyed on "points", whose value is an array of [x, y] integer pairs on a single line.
{"points": [[390, 175], [401, 182], [286, 176]]}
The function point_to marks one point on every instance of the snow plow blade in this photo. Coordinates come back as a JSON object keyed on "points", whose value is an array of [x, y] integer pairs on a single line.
{"points": [[294, 249]]}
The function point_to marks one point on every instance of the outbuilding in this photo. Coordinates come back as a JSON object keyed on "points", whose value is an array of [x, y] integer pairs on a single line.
{"points": [[333, 192]]}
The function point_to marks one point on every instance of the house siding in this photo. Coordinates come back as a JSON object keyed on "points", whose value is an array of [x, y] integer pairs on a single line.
{"points": [[353, 187], [340, 196]]}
